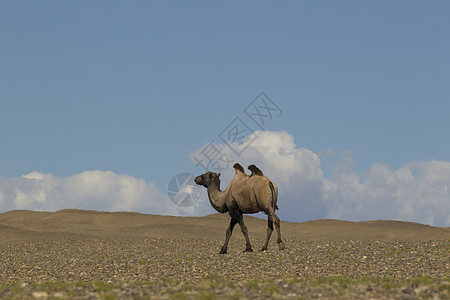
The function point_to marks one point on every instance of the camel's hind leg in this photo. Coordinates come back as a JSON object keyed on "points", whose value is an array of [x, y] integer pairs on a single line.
{"points": [[228, 235], [269, 233], [276, 221], [248, 246]]}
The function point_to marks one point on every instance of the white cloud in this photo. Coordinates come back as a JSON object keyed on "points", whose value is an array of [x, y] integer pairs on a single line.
{"points": [[98, 190], [417, 192], [296, 171]]}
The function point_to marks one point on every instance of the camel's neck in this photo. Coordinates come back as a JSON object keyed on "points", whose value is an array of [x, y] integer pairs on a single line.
{"points": [[217, 197]]}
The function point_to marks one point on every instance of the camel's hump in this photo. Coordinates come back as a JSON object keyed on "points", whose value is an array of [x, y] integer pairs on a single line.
{"points": [[255, 170], [238, 167]]}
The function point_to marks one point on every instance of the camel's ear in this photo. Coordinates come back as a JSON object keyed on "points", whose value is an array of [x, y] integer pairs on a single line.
{"points": [[218, 174]]}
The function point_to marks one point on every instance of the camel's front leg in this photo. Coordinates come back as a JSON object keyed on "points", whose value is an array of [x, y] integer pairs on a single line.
{"points": [[228, 235]]}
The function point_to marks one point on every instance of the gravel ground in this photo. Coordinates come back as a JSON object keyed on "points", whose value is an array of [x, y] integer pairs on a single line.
{"points": [[192, 268]]}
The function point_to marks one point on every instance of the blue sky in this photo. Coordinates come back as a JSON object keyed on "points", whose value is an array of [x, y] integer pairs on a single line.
{"points": [[136, 87]]}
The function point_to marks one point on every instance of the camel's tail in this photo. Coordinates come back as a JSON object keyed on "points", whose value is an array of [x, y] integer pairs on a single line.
{"points": [[274, 195]]}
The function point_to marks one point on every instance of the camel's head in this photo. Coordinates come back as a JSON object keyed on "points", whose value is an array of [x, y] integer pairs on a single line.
{"points": [[207, 178]]}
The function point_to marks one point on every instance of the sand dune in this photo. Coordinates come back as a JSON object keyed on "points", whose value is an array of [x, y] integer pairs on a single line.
{"points": [[24, 226]]}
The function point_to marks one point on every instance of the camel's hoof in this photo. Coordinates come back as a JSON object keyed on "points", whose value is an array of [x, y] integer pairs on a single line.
{"points": [[281, 246], [223, 251], [248, 250], [263, 249]]}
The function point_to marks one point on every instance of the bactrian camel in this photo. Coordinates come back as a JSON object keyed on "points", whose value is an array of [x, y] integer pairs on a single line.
{"points": [[244, 195]]}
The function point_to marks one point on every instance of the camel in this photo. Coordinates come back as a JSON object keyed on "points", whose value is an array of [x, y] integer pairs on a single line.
{"points": [[244, 195]]}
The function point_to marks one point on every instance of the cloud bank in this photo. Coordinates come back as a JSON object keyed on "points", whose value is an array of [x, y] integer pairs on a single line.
{"points": [[96, 190], [416, 192]]}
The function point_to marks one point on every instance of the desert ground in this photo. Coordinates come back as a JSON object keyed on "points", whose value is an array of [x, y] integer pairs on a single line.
{"points": [[100, 255]]}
